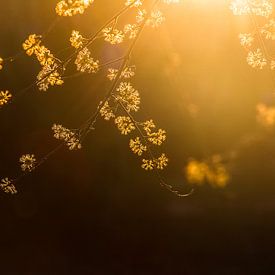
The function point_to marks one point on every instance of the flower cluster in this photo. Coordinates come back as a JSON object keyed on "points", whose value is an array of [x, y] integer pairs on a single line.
{"points": [[7, 186], [72, 7], [268, 30], [49, 74], [159, 163], [76, 39], [141, 14], [128, 96], [113, 36], [32, 45], [27, 162], [256, 59], [5, 97], [125, 124], [106, 111], [85, 63], [158, 137], [127, 73], [257, 7], [156, 19], [131, 30], [147, 164], [246, 39], [135, 3], [68, 136], [122, 97], [148, 125], [213, 172], [137, 147]]}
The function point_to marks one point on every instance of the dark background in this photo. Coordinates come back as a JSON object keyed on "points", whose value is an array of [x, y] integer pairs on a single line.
{"points": [[95, 211]]}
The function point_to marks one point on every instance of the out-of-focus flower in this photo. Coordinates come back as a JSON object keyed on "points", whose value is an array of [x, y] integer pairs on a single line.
{"points": [[213, 172], [265, 115], [256, 59], [257, 7], [246, 39], [135, 3], [72, 7], [5, 97], [85, 63], [156, 19], [113, 36], [268, 30], [7, 186], [27, 162]]}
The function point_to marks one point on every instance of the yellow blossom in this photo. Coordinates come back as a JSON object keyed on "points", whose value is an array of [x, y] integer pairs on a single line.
{"points": [[257, 7], [128, 72], [137, 147], [246, 39], [112, 35], [161, 162], [7, 186], [141, 15], [106, 111], [85, 63], [72, 7], [156, 19], [128, 96], [131, 30], [5, 97], [256, 59], [49, 76], [124, 124], [147, 164], [71, 138], [137, 3], [148, 126], [76, 39], [31, 43], [158, 137], [27, 162], [268, 30]]}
